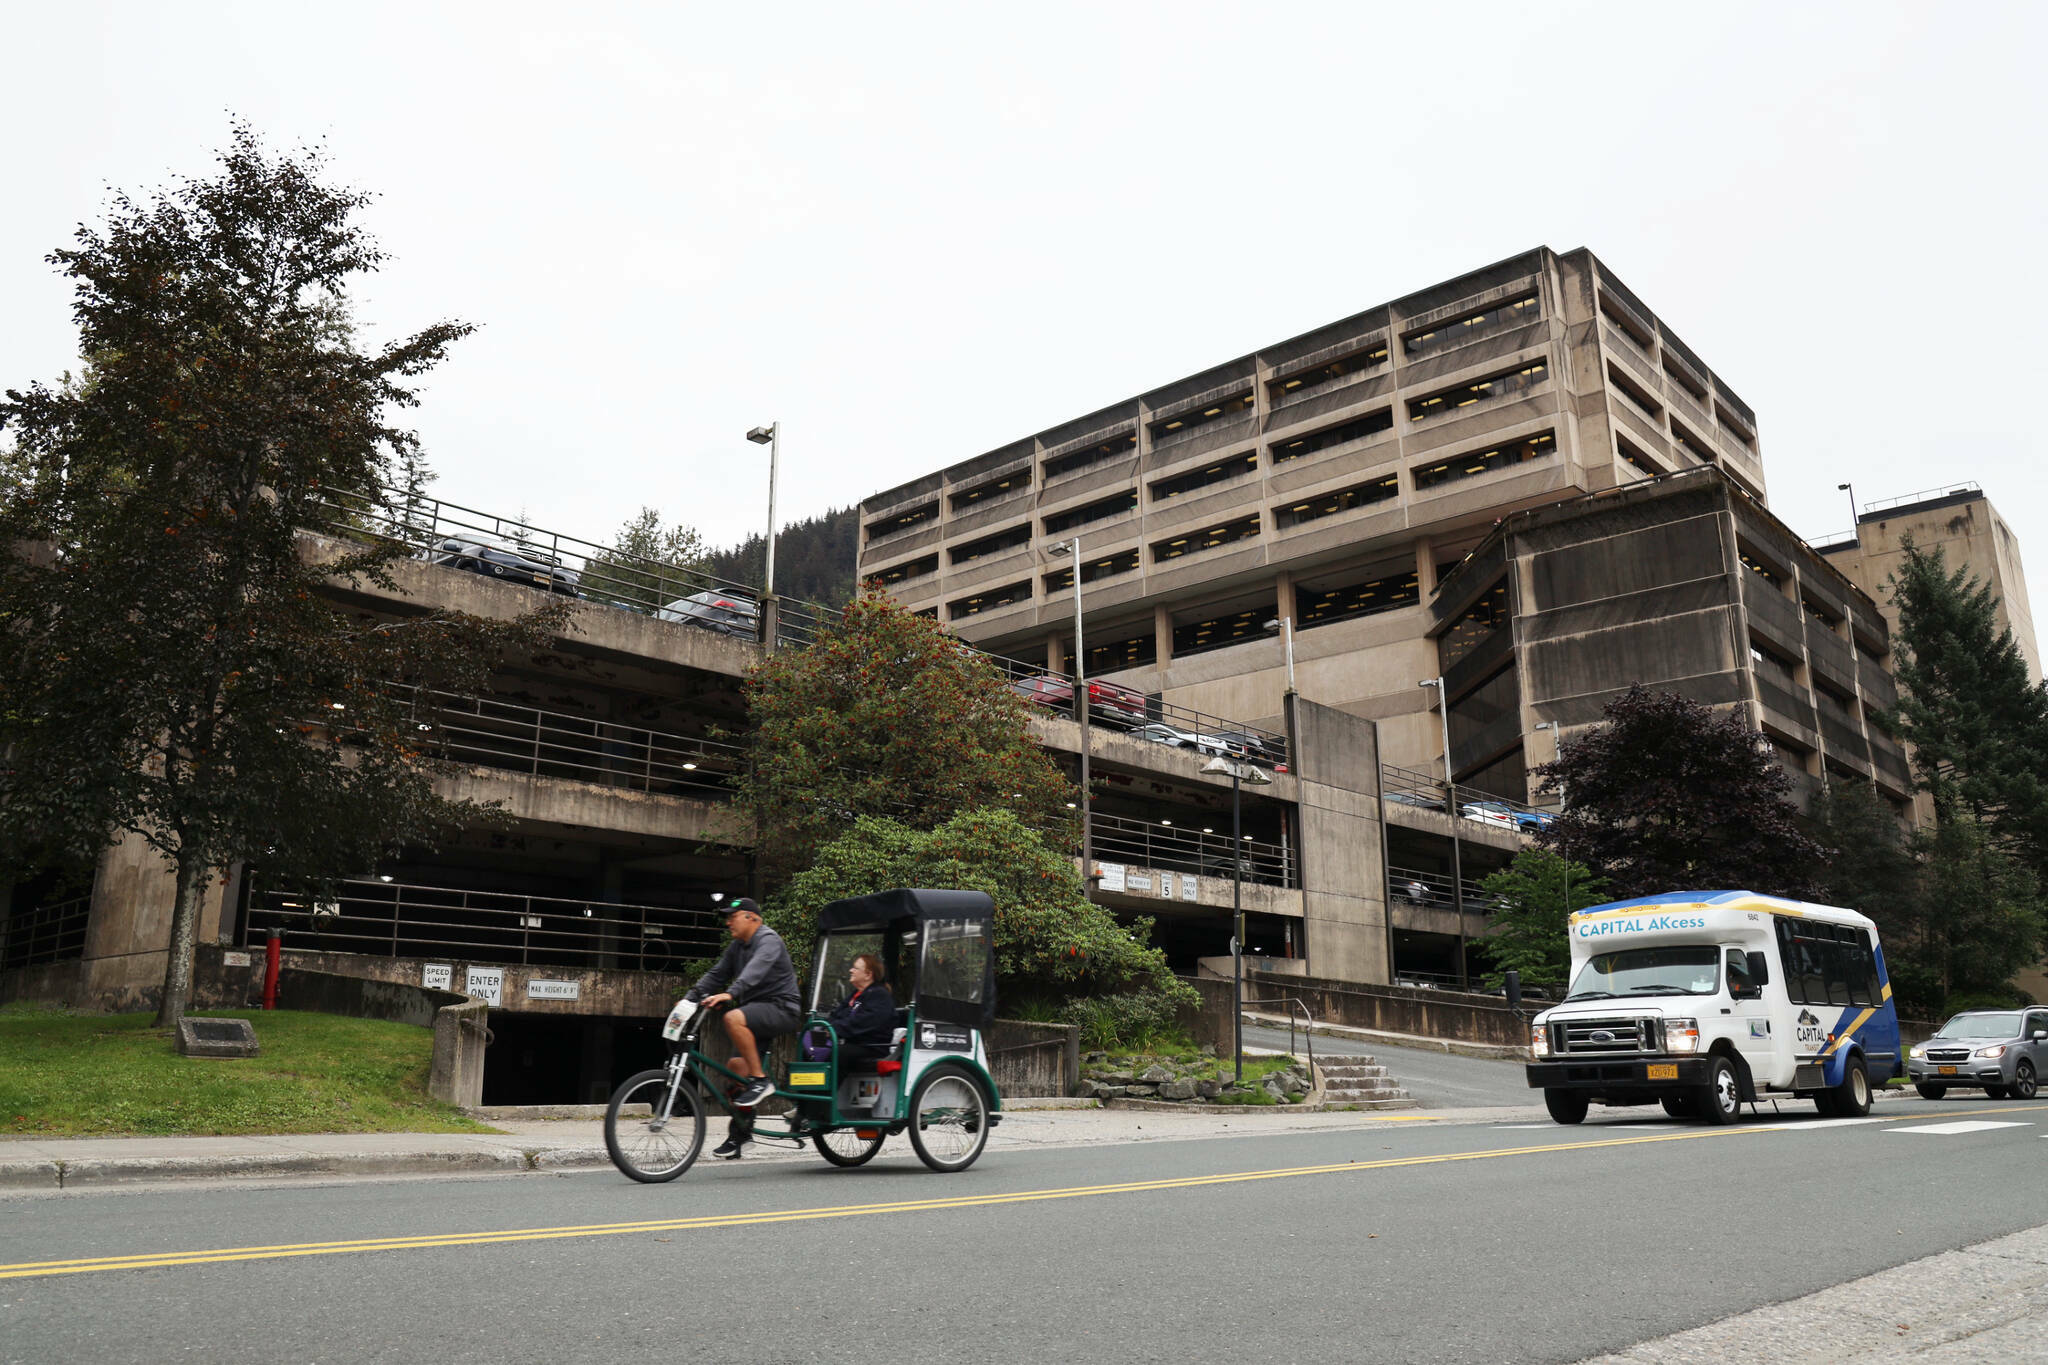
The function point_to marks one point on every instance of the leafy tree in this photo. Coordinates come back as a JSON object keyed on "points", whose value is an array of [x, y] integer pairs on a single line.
{"points": [[1978, 727], [1874, 866], [1534, 897], [1984, 916], [1668, 795], [1052, 944], [172, 667], [886, 715], [650, 565]]}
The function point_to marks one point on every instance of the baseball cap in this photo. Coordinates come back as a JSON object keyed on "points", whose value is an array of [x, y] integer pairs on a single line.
{"points": [[743, 903]]}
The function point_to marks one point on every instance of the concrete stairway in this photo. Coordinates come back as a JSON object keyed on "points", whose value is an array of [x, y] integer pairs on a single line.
{"points": [[1359, 1083]]}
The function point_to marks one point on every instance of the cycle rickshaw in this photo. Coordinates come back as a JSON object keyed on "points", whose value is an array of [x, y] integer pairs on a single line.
{"points": [[938, 948]]}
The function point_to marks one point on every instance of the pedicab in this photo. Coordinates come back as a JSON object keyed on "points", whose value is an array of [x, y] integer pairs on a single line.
{"points": [[933, 1083]]}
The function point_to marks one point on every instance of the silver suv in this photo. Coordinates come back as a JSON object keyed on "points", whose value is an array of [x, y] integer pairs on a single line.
{"points": [[2001, 1052]]}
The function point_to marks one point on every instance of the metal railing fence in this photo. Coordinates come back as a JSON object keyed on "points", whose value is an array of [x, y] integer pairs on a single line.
{"points": [[397, 919], [36, 935], [1413, 787], [1432, 890], [1173, 848]]}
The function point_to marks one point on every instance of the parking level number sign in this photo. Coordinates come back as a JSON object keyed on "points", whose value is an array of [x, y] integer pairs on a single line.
{"points": [[485, 983]]}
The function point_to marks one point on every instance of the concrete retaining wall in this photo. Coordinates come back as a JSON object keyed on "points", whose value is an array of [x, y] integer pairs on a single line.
{"points": [[1034, 1059], [1456, 1015]]}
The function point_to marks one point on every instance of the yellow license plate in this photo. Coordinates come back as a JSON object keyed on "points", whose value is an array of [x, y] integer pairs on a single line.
{"points": [[1662, 1071], [799, 1079], [1948, 1071]]}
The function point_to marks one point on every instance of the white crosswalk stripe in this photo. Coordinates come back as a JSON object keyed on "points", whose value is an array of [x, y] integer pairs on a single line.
{"points": [[1815, 1125], [1962, 1126]]}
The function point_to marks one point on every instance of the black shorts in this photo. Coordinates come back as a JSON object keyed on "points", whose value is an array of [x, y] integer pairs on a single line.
{"points": [[770, 1019]]}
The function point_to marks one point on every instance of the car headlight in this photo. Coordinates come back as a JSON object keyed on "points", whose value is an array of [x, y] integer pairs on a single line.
{"points": [[1998, 1051], [1681, 1035], [1539, 1041], [1917, 1050]]}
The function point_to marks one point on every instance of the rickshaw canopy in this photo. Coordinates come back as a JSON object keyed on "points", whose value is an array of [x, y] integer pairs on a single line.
{"points": [[955, 931]]}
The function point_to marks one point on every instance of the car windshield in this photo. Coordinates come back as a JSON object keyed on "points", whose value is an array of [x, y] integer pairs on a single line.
{"points": [[1981, 1026], [1647, 971]]}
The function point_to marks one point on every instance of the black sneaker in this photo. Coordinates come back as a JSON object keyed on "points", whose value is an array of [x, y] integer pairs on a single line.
{"points": [[730, 1149], [753, 1093]]}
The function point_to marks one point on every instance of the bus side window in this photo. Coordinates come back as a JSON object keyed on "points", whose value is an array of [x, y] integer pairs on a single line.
{"points": [[1871, 983], [1740, 984]]}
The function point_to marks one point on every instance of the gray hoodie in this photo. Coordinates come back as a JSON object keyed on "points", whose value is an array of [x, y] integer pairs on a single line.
{"points": [[758, 969]]}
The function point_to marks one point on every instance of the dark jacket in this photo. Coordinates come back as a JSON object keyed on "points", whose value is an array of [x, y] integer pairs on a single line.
{"points": [[758, 969], [868, 1019]]}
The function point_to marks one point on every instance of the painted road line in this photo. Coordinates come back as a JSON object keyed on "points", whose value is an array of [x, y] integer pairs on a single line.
{"points": [[1962, 1126], [157, 1260], [1816, 1125]]}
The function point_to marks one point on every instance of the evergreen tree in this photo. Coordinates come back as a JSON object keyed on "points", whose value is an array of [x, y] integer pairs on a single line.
{"points": [[1534, 897], [650, 565], [1668, 795], [1873, 866], [172, 667], [814, 558]]}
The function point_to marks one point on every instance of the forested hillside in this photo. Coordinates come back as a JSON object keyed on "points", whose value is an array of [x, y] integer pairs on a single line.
{"points": [[813, 558]]}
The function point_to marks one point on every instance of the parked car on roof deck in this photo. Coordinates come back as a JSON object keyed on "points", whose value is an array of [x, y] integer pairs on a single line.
{"points": [[1159, 732], [722, 613], [1490, 813], [498, 557], [1106, 701]]}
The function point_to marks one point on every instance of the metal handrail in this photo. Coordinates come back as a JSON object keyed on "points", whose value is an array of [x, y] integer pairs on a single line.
{"points": [[1417, 783], [1432, 890], [41, 934], [401, 919], [1308, 1029], [1924, 495], [1181, 850]]}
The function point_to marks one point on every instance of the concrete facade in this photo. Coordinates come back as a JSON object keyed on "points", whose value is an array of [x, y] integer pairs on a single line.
{"points": [[1329, 479], [1961, 522]]}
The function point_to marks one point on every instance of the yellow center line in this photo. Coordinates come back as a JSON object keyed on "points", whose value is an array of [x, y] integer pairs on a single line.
{"points": [[158, 1260]]}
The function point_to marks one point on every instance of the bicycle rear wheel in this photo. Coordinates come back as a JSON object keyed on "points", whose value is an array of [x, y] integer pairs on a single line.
{"points": [[644, 1146]]}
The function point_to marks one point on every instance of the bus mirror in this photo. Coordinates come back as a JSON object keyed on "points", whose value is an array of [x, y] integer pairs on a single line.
{"points": [[1513, 981], [1759, 970]]}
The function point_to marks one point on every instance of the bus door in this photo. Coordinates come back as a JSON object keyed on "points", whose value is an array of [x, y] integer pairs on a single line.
{"points": [[1751, 1022]]}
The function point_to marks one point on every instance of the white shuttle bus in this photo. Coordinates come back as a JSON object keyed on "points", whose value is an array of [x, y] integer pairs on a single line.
{"points": [[1707, 1000]]}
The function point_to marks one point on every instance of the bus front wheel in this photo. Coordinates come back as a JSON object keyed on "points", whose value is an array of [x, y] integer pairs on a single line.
{"points": [[1567, 1106], [1720, 1099]]}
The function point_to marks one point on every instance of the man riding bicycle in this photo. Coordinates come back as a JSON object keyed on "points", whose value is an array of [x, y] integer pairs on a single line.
{"points": [[755, 978]]}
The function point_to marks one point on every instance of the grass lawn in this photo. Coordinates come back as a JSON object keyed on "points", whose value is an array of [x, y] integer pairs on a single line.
{"points": [[101, 1075]]}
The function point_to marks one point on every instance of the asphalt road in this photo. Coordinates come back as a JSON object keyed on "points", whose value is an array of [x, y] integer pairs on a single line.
{"points": [[1437, 1080], [1411, 1241]]}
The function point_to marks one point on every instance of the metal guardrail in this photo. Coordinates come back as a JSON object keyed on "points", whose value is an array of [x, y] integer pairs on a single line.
{"points": [[42, 934], [396, 919], [1432, 890], [1425, 791], [526, 739], [1174, 848], [573, 567], [1924, 495]]}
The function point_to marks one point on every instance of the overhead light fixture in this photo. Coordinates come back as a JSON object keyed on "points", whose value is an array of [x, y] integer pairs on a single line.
{"points": [[689, 767]]}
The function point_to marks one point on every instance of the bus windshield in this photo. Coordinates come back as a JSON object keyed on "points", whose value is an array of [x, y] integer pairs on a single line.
{"points": [[1647, 971]]}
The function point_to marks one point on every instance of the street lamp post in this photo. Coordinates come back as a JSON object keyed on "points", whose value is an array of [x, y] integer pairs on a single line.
{"points": [[1443, 702], [1240, 773], [770, 436], [1081, 709], [1556, 752], [1850, 489], [1285, 625]]}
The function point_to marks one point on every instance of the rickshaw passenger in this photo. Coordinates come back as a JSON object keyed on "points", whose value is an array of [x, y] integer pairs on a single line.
{"points": [[866, 1022], [754, 976]]}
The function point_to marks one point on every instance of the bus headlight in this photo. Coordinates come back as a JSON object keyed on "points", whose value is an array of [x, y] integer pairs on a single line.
{"points": [[1681, 1035], [1998, 1051], [1539, 1041]]}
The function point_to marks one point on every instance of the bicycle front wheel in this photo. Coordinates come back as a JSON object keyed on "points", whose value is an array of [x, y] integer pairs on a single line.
{"points": [[645, 1146]]}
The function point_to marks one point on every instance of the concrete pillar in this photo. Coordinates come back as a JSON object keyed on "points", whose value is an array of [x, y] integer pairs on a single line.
{"points": [[1162, 633], [1055, 652]]}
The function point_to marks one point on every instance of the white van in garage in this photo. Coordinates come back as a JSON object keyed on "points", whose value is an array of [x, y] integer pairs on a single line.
{"points": [[1706, 1000]]}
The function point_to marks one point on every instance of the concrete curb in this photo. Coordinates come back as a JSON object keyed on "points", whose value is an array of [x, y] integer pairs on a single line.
{"points": [[1305, 1107], [66, 1175]]}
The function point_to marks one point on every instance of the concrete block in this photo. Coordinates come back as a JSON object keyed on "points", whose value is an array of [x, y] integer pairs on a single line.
{"points": [[199, 1037]]}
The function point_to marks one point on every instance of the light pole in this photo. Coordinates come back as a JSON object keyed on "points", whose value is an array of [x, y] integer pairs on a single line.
{"points": [[1285, 625], [1240, 773], [1443, 703], [1850, 489], [770, 436], [1556, 752], [1081, 708]]}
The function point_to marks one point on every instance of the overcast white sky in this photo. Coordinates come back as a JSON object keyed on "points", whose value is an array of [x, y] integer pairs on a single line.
{"points": [[915, 234]]}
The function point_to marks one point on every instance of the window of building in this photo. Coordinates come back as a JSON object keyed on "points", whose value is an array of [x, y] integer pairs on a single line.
{"points": [[965, 607], [1383, 588], [990, 545], [1462, 329], [1762, 567], [1010, 483], [909, 568], [1106, 567], [1635, 458], [1475, 625], [1221, 472], [1504, 385], [1624, 319], [1840, 704], [1691, 444], [1383, 489], [1074, 461], [1111, 656], [1223, 628], [1772, 665], [903, 521], [1182, 423], [1349, 367], [1681, 375], [1821, 612], [1195, 542], [1485, 461], [928, 613], [1735, 427], [1095, 511], [1353, 430], [1635, 393]]}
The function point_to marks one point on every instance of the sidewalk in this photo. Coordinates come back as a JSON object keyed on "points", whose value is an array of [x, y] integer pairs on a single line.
{"points": [[540, 1145]]}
